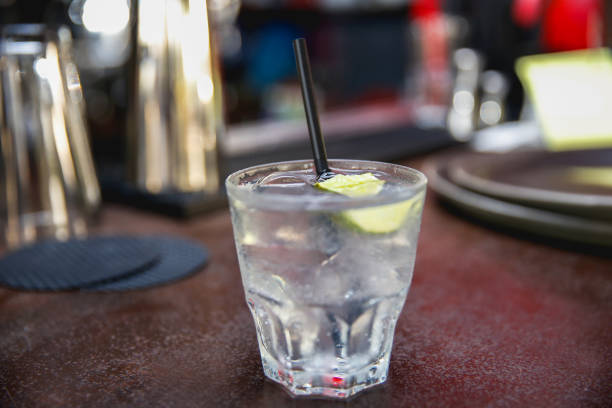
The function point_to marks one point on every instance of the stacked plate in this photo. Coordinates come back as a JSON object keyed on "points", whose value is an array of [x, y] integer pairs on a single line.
{"points": [[563, 195]]}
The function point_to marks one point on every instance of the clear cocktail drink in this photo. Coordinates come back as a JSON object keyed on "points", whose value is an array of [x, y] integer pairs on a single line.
{"points": [[325, 274]]}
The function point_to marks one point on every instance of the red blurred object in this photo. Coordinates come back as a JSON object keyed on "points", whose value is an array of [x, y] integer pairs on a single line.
{"points": [[425, 8], [527, 13], [303, 4], [572, 25], [430, 23]]}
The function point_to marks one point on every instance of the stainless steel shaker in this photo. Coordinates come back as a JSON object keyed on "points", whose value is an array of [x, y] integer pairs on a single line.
{"points": [[175, 118]]}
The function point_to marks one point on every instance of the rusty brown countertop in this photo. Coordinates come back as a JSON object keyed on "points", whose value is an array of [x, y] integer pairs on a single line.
{"points": [[490, 320]]}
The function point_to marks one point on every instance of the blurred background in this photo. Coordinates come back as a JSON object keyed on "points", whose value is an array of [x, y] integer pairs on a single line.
{"points": [[364, 52], [394, 77]]}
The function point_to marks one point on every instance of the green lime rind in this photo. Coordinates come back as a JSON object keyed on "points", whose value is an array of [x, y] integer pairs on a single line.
{"points": [[354, 185], [378, 220], [382, 219]]}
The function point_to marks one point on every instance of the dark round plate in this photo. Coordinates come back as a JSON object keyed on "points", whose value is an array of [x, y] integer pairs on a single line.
{"points": [[516, 216], [537, 179]]}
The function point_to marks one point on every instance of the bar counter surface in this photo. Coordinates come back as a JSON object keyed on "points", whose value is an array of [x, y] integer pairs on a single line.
{"points": [[490, 320]]}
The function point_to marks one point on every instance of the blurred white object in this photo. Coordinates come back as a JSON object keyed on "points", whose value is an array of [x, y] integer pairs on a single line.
{"points": [[508, 136], [494, 87], [462, 114], [105, 41], [105, 16]]}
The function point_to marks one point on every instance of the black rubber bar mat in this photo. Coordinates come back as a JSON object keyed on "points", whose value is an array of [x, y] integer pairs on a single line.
{"points": [[76, 263], [179, 258]]}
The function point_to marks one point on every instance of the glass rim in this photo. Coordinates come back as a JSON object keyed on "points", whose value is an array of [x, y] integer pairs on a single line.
{"points": [[259, 199]]}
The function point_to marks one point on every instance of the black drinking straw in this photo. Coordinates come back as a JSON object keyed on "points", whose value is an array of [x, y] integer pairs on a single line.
{"points": [[317, 143]]}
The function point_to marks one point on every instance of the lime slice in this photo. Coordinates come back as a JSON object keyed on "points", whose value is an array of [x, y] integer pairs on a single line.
{"points": [[354, 185], [381, 219]]}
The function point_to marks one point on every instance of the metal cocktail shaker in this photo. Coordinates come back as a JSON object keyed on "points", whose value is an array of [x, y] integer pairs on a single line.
{"points": [[175, 117]]}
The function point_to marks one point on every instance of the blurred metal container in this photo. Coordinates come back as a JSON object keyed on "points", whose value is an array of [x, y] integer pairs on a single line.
{"points": [[176, 116], [48, 184]]}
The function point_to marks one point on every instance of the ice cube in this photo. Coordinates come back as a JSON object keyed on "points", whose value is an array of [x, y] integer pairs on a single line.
{"points": [[354, 274]]}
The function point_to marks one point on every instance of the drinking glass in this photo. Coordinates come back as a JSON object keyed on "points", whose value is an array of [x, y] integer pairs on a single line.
{"points": [[325, 275]]}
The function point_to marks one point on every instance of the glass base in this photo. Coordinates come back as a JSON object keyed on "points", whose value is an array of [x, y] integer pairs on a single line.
{"points": [[335, 385]]}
